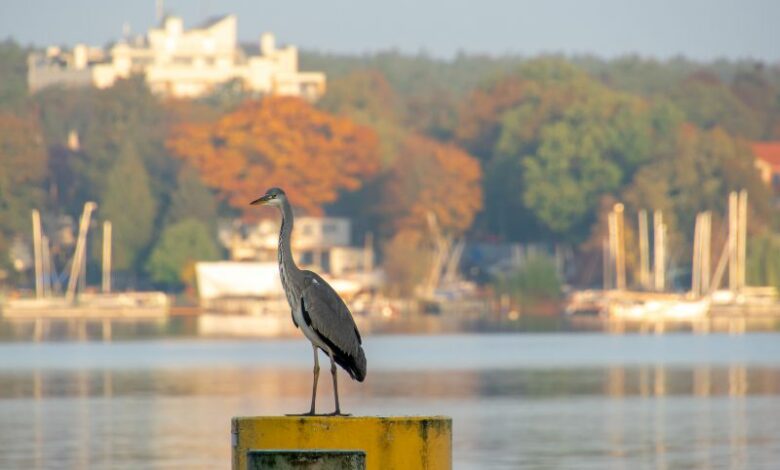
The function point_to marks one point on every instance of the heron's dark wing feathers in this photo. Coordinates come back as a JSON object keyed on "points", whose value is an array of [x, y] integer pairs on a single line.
{"points": [[331, 319]]}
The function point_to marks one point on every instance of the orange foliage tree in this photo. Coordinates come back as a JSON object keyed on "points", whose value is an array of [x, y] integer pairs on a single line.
{"points": [[279, 141], [429, 176]]}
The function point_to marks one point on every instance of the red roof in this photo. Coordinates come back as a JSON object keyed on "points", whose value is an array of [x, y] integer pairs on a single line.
{"points": [[768, 152]]}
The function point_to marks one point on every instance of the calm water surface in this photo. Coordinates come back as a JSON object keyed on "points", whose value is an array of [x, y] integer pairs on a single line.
{"points": [[517, 401]]}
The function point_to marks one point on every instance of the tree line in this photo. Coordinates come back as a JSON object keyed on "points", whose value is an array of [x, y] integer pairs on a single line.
{"points": [[498, 149]]}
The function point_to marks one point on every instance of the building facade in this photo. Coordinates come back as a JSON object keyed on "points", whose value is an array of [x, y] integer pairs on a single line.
{"points": [[323, 244], [181, 63]]}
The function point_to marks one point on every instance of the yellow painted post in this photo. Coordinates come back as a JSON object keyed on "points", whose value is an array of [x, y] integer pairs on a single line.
{"points": [[392, 442]]}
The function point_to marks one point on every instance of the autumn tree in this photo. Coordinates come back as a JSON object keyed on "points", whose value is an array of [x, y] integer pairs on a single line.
{"points": [[278, 141], [428, 178], [537, 93], [407, 259], [436, 178], [480, 115]]}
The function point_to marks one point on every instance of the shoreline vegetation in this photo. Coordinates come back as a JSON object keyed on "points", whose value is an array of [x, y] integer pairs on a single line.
{"points": [[501, 150]]}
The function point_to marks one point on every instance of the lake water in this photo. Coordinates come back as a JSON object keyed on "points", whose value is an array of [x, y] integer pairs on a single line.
{"points": [[517, 401]]}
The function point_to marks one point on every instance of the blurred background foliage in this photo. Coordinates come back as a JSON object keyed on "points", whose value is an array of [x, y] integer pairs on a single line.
{"points": [[506, 149], [536, 280]]}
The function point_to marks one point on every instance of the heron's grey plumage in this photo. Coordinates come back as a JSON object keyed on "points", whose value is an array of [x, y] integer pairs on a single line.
{"points": [[316, 308], [332, 320]]}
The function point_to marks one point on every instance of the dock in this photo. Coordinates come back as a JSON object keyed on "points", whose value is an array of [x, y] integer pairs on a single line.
{"points": [[88, 308]]}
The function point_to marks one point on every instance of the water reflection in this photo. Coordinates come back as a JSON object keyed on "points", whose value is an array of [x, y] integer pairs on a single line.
{"points": [[275, 385], [653, 415]]}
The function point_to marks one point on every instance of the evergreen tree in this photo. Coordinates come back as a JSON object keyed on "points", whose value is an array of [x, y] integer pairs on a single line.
{"points": [[192, 200], [182, 244], [128, 203]]}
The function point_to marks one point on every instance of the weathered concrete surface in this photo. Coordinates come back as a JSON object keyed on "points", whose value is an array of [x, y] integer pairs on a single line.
{"points": [[391, 442], [306, 460]]}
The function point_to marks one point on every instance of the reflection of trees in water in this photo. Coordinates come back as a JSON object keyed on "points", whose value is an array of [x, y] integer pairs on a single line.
{"points": [[705, 384], [700, 381], [648, 414], [270, 384]]}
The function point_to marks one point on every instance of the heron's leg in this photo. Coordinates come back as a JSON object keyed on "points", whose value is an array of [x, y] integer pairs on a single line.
{"points": [[335, 385], [316, 377]]}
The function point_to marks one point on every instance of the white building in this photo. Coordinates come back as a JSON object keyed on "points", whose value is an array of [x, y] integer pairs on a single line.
{"points": [[319, 243], [249, 282], [180, 63]]}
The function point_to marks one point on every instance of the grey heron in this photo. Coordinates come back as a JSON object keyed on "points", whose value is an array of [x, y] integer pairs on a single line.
{"points": [[317, 309]]}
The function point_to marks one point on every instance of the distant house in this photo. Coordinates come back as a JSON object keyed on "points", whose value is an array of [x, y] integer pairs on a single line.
{"points": [[768, 163], [320, 243], [180, 63]]}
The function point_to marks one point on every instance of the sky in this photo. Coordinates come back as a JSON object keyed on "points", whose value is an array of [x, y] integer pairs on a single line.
{"points": [[699, 29]]}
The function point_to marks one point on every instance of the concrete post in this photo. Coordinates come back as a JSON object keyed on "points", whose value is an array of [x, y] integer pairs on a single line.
{"points": [[407, 442]]}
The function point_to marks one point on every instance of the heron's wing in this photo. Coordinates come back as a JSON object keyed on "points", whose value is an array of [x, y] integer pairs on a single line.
{"points": [[328, 315]]}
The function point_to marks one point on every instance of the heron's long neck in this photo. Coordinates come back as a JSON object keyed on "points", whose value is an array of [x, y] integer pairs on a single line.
{"points": [[285, 236]]}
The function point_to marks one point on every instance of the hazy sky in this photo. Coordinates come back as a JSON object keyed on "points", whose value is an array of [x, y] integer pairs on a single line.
{"points": [[701, 29]]}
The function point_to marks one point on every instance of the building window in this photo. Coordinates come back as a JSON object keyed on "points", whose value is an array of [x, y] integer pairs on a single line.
{"points": [[325, 261]]}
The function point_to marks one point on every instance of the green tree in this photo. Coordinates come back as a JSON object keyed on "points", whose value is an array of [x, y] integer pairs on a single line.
{"points": [[699, 170], [13, 76], [537, 279], [192, 200], [560, 142], [364, 95], [180, 246], [763, 260], [755, 89], [105, 121], [23, 162], [128, 203], [709, 103]]}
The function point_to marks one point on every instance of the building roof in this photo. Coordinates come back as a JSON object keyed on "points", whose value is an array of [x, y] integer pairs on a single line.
{"points": [[209, 22], [768, 152]]}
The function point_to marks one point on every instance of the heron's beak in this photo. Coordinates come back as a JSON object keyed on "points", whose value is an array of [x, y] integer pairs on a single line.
{"points": [[260, 201]]}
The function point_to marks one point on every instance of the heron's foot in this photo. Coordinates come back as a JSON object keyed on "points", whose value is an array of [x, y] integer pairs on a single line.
{"points": [[310, 413], [338, 413]]}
